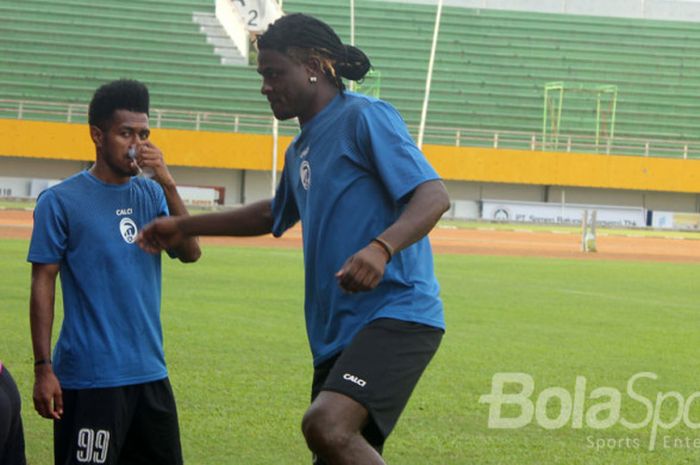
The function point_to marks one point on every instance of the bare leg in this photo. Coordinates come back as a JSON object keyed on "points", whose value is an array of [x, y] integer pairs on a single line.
{"points": [[332, 427]]}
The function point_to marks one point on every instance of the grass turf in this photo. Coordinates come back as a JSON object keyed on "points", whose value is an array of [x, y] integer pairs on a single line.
{"points": [[240, 364]]}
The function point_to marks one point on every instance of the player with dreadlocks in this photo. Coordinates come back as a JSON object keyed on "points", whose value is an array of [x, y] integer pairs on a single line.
{"points": [[367, 198]]}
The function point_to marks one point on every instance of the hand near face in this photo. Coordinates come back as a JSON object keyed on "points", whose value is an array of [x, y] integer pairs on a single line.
{"points": [[149, 157], [364, 270]]}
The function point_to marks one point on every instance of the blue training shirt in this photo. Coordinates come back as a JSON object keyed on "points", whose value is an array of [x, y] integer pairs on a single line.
{"points": [[111, 333], [348, 176]]}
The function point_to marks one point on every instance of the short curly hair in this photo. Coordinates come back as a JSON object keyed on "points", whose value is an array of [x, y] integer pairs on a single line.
{"points": [[122, 94]]}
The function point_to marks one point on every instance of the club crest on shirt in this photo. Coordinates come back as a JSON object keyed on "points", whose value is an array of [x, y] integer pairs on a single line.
{"points": [[305, 174], [128, 229]]}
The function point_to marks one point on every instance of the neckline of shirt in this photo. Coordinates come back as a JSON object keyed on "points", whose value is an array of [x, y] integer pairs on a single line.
{"points": [[92, 178]]}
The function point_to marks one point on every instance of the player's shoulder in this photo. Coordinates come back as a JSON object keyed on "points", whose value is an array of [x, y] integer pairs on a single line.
{"points": [[368, 106], [148, 187], [62, 188], [143, 182], [352, 101], [146, 183], [68, 183]]}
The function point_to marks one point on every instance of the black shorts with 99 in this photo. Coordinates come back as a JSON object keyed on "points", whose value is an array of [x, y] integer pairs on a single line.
{"points": [[126, 425], [379, 369]]}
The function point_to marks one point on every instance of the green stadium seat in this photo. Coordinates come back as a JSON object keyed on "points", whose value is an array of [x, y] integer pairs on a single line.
{"points": [[490, 71]]}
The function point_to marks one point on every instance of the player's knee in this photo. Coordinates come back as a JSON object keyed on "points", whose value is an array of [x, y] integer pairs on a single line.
{"points": [[313, 426], [323, 433]]}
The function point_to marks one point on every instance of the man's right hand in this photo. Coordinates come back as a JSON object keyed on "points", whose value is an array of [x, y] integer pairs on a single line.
{"points": [[48, 397], [163, 233]]}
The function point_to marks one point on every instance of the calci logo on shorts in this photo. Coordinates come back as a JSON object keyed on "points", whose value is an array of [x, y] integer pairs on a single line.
{"points": [[354, 379]]}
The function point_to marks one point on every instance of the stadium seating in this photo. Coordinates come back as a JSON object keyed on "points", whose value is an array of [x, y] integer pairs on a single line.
{"points": [[61, 51], [491, 66]]}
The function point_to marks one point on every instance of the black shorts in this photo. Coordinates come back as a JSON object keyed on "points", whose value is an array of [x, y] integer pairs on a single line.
{"points": [[379, 370], [134, 424], [11, 432]]}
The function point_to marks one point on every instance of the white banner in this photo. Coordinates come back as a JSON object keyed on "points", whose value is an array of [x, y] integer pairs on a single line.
{"points": [[557, 213], [675, 220], [198, 196], [24, 187]]}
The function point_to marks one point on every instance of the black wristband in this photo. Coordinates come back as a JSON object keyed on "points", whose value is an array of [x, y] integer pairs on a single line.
{"points": [[43, 361]]}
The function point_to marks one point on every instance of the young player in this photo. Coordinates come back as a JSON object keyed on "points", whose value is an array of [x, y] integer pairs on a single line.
{"points": [[367, 198], [106, 387]]}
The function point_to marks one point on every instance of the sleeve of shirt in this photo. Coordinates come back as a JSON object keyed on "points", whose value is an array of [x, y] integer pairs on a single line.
{"points": [[384, 137], [50, 233], [284, 208]]}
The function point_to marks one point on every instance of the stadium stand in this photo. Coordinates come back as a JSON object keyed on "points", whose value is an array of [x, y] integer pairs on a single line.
{"points": [[60, 52], [491, 66]]}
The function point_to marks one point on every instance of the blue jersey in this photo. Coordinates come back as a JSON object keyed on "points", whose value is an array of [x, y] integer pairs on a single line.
{"points": [[348, 176], [111, 333]]}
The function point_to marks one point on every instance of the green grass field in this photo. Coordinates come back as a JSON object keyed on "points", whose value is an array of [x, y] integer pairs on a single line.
{"points": [[240, 364]]}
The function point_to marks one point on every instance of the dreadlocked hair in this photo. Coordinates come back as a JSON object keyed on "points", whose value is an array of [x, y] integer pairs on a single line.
{"points": [[301, 37]]}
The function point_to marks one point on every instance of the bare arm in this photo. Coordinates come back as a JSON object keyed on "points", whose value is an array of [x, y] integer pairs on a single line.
{"points": [[188, 250], [364, 270], [427, 205], [254, 219], [150, 156], [251, 220], [48, 398]]}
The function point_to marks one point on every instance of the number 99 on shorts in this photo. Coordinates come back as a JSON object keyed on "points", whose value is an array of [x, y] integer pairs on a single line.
{"points": [[93, 446]]}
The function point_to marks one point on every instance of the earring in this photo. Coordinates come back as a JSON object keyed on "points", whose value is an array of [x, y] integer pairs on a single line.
{"points": [[313, 79]]}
